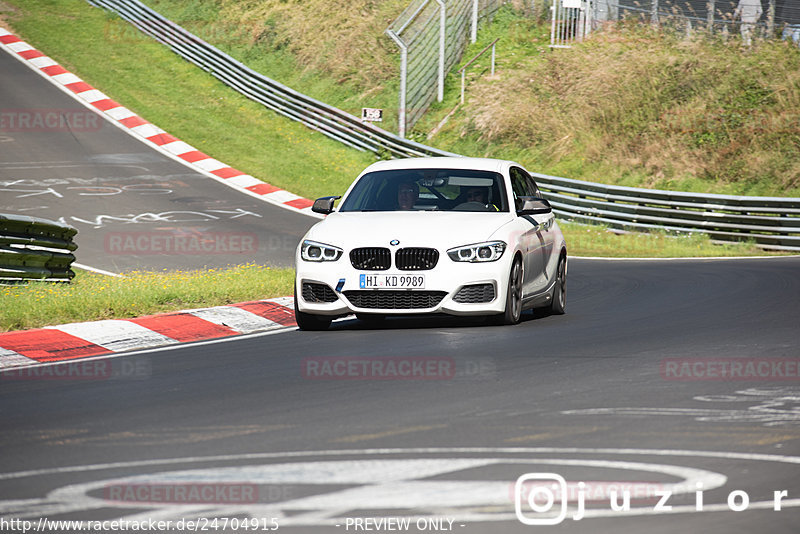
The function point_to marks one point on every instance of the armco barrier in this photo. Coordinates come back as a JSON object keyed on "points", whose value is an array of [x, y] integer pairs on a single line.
{"points": [[769, 222], [328, 120], [35, 249]]}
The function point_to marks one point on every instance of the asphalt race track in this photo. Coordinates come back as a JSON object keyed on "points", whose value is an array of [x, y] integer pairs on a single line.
{"points": [[134, 208], [589, 396], [675, 382]]}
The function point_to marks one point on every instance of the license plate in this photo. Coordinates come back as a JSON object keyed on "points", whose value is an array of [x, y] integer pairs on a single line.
{"points": [[391, 281]]}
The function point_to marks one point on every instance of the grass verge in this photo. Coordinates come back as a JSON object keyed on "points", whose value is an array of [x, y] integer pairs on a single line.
{"points": [[92, 297], [592, 240]]}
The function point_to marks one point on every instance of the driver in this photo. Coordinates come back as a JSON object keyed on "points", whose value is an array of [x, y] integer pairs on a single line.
{"points": [[476, 194], [407, 195]]}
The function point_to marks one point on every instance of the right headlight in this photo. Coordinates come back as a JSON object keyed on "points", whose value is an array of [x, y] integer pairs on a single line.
{"points": [[313, 251], [479, 252]]}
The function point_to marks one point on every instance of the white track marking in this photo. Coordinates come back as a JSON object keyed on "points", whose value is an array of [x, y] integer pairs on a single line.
{"points": [[237, 319], [116, 335], [210, 164], [96, 270], [120, 113], [245, 180], [66, 78], [147, 130], [174, 346], [413, 450], [9, 359], [93, 95], [389, 483]]}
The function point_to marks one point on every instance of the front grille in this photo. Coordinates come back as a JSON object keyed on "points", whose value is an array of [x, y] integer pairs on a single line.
{"points": [[475, 293], [395, 300], [371, 258], [313, 292], [416, 259]]}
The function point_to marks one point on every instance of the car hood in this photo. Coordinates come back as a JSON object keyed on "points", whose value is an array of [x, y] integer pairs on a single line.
{"points": [[435, 229]]}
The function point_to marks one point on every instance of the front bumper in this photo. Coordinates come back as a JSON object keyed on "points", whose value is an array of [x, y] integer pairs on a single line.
{"points": [[442, 292]]}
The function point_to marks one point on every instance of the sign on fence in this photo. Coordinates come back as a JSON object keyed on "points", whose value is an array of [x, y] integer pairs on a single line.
{"points": [[371, 114]]}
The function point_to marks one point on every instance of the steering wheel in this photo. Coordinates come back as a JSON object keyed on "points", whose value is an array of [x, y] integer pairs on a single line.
{"points": [[472, 205]]}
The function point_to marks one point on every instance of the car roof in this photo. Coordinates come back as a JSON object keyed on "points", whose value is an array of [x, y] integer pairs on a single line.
{"points": [[479, 164]]}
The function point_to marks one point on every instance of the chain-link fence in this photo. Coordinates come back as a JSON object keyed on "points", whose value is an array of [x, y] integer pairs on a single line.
{"points": [[432, 35], [719, 14], [750, 18]]}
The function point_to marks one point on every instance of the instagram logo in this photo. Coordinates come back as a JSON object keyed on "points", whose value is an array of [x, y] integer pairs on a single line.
{"points": [[537, 493]]}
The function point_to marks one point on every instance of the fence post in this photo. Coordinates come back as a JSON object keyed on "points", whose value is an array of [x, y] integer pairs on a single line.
{"points": [[710, 6], [654, 13], [474, 34], [442, 49], [401, 112], [771, 20], [589, 20]]}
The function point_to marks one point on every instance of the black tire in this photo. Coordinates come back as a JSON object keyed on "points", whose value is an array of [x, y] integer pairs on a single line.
{"points": [[558, 302], [307, 321], [513, 310]]}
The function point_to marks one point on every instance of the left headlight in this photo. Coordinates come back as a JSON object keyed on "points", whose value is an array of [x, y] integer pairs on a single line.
{"points": [[313, 251], [479, 252]]}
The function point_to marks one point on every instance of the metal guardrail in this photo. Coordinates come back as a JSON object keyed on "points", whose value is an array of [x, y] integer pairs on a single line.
{"points": [[35, 249], [326, 119], [769, 222]]}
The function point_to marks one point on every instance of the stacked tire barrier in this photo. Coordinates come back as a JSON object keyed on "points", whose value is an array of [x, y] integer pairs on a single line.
{"points": [[35, 249], [772, 223]]}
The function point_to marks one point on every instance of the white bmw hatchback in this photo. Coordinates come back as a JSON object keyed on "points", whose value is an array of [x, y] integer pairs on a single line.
{"points": [[459, 236]]}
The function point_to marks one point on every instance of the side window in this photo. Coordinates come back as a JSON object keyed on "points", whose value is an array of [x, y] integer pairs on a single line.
{"points": [[520, 183], [532, 186]]}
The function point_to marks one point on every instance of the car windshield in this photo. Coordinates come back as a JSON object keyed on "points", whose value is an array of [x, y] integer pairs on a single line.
{"points": [[428, 190]]}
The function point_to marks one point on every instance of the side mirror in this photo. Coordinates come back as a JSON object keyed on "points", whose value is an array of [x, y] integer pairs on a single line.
{"points": [[324, 205], [533, 206]]}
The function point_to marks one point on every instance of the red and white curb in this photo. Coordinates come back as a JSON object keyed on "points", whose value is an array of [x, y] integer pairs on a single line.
{"points": [[82, 340], [146, 131]]}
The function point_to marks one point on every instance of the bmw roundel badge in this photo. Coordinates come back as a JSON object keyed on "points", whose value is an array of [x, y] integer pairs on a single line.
{"points": [[394, 242]]}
